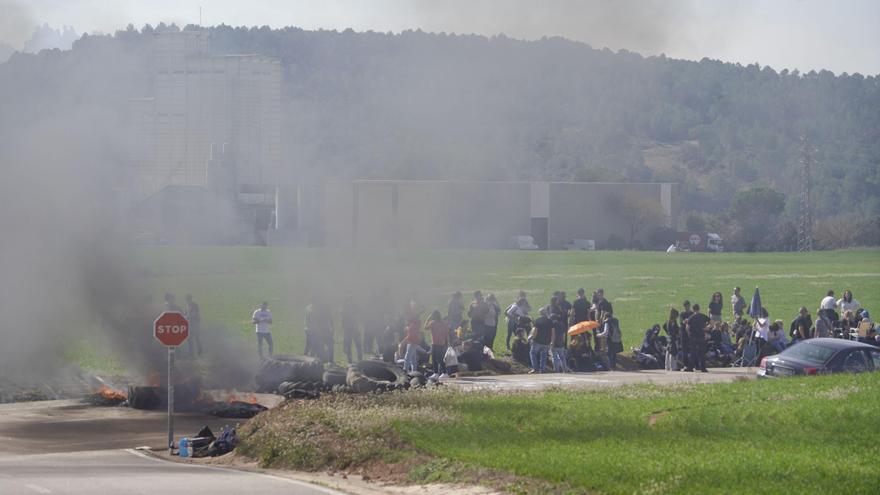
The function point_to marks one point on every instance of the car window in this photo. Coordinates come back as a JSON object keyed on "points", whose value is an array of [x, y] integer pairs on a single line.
{"points": [[809, 352], [875, 356], [854, 362]]}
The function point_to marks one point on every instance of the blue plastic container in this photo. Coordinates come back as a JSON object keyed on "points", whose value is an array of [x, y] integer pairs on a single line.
{"points": [[183, 447]]}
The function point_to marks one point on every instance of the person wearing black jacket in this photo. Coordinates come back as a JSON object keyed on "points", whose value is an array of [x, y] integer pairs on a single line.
{"points": [[800, 326], [560, 332], [580, 309], [673, 331], [684, 345], [541, 337], [696, 329]]}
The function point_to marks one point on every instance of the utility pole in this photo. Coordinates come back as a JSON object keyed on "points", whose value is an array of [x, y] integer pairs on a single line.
{"points": [[805, 224]]}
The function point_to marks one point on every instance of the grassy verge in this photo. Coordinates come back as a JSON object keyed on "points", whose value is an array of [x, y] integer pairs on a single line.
{"points": [[791, 436]]}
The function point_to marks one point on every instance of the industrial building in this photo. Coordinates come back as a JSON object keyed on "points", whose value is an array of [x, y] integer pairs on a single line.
{"points": [[207, 170], [468, 215], [211, 126]]}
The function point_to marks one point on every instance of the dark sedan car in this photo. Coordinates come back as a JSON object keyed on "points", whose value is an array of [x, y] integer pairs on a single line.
{"points": [[821, 356]]}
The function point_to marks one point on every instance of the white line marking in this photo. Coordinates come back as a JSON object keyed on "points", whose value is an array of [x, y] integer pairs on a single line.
{"points": [[38, 488], [311, 486]]}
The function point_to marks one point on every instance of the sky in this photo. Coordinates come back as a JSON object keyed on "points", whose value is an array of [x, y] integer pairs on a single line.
{"points": [[837, 35]]}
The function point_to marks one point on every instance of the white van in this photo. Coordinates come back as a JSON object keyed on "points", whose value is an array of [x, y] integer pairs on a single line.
{"points": [[522, 242], [581, 245]]}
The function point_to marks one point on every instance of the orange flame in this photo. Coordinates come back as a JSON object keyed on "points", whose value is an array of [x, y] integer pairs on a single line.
{"points": [[111, 394]]}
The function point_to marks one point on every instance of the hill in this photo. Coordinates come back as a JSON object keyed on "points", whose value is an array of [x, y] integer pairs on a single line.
{"points": [[419, 105]]}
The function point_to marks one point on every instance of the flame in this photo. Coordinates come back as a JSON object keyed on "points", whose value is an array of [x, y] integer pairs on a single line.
{"points": [[111, 394], [250, 399]]}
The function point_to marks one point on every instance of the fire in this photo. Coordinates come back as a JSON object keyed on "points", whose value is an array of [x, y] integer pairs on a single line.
{"points": [[111, 394], [250, 399]]}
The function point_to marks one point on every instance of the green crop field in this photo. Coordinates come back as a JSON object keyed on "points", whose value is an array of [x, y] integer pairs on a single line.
{"points": [[229, 282]]}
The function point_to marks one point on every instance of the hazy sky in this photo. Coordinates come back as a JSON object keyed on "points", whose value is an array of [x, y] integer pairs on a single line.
{"points": [[839, 35]]}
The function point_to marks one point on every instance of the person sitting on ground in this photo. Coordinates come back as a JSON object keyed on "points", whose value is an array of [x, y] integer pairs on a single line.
{"points": [[582, 356], [847, 324], [472, 354], [540, 338], [776, 336], [800, 326]]}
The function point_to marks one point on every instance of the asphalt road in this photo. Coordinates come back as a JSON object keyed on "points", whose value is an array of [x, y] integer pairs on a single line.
{"points": [[125, 472], [67, 447]]}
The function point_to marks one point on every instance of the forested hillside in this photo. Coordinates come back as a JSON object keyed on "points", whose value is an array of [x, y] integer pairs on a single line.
{"points": [[420, 105]]}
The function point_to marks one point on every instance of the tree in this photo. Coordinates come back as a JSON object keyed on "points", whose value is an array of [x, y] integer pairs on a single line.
{"points": [[754, 212], [637, 213]]}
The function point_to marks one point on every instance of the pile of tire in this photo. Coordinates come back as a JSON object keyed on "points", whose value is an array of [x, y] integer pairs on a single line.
{"points": [[376, 376], [276, 370]]}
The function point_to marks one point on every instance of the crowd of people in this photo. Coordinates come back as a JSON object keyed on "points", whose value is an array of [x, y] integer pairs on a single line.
{"points": [[691, 337]]}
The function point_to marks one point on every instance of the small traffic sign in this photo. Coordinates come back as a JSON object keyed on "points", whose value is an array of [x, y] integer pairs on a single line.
{"points": [[171, 328]]}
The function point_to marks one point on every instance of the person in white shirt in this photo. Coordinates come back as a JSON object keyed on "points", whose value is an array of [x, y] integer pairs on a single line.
{"points": [[826, 306], [847, 303], [262, 319]]}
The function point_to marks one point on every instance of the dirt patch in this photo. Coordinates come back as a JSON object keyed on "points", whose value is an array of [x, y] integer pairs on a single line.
{"points": [[654, 417]]}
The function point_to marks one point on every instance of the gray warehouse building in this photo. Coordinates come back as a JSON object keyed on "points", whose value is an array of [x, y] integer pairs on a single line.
{"points": [[467, 215]]}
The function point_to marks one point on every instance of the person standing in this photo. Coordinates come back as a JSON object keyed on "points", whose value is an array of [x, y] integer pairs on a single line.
{"points": [[455, 310], [696, 327], [580, 309], [194, 317], [171, 304], [350, 330], [847, 303], [478, 312], [565, 306], [737, 303], [542, 334], [827, 306], [685, 341], [439, 340], [262, 319], [558, 339], [319, 331], [491, 324], [673, 331], [413, 341], [612, 337], [602, 305], [375, 321], [715, 307], [516, 311]]}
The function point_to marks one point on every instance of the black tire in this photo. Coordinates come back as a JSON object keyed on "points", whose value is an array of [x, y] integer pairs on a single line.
{"points": [[144, 397], [369, 376], [278, 369]]}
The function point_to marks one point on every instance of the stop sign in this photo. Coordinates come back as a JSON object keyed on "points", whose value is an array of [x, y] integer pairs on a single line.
{"points": [[171, 328]]}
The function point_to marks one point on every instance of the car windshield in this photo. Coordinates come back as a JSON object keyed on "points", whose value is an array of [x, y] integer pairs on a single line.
{"points": [[811, 353]]}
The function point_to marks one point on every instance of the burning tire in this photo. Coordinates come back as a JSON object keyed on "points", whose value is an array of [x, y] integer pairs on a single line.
{"points": [[144, 397], [278, 369], [335, 376], [369, 376]]}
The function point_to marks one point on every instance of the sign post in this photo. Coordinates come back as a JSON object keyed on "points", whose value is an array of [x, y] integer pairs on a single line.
{"points": [[171, 329]]}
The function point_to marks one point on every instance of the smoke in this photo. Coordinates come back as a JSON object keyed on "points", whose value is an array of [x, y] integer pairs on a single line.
{"points": [[16, 22]]}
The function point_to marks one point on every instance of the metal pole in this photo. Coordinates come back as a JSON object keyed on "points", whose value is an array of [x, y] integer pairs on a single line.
{"points": [[170, 400]]}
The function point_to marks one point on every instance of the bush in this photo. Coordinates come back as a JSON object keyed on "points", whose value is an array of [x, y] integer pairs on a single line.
{"points": [[615, 243]]}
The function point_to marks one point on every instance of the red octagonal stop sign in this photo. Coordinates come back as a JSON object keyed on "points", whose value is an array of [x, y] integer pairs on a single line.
{"points": [[171, 328]]}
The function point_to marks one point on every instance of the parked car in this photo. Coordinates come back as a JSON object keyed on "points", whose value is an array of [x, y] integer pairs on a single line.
{"points": [[821, 356], [524, 242], [581, 245]]}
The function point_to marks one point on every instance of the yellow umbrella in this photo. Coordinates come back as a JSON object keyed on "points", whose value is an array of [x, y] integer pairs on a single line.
{"points": [[582, 327]]}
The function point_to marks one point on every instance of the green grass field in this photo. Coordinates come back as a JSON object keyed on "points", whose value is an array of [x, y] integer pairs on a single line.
{"points": [[799, 435], [229, 282]]}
